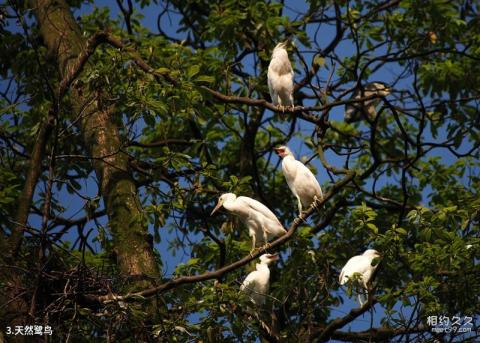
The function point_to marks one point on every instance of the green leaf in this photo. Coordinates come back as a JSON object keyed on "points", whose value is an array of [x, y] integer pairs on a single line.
{"points": [[205, 78], [162, 70], [193, 261], [193, 70], [372, 227]]}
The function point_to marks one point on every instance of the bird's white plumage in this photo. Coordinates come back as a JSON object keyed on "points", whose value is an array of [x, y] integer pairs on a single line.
{"points": [[300, 179], [353, 112], [256, 284], [361, 264], [255, 205], [280, 77], [262, 223]]}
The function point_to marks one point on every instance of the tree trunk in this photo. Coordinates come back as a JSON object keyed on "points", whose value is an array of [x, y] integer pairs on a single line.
{"points": [[133, 249]]}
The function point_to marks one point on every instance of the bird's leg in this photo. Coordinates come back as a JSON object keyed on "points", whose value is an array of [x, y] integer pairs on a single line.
{"points": [[267, 246], [253, 246], [360, 299], [299, 219], [363, 293], [299, 206], [314, 203], [265, 239], [292, 106], [369, 287]]}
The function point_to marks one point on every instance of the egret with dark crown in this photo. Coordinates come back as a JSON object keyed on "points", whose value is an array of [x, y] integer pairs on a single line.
{"points": [[257, 283], [353, 111], [360, 268], [300, 179], [280, 78], [262, 223]]}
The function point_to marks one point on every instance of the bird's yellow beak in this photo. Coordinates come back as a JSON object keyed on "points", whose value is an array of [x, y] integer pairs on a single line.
{"points": [[279, 151], [219, 204]]}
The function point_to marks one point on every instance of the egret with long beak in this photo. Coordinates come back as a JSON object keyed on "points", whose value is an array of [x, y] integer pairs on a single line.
{"points": [[280, 78], [262, 223], [300, 179], [257, 283], [360, 268]]}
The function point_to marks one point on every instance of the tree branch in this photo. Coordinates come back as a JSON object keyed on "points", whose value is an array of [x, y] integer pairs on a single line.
{"points": [[338, 37], [376, 335], [34, 170], [325, 334], [173, 283], [298, 110], [165, 142]]}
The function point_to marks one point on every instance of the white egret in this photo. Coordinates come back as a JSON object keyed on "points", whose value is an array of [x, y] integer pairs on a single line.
{"points": [[360, 268], [353, 111], [300, 179], [280, 78], [256, 284], [260, 221]]}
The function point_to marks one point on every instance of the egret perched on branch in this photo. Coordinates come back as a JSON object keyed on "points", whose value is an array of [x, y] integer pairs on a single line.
{"points": [[361, 265], [256, 284], [280, 78], [353, 111], [300, 179], [262, 224]]}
